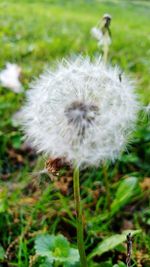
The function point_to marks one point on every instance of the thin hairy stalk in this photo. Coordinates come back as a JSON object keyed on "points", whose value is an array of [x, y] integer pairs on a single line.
{"points": [[80, 235]]}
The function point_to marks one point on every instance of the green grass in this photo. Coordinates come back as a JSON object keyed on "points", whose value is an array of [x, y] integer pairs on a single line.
{"points": [[36, 34]]}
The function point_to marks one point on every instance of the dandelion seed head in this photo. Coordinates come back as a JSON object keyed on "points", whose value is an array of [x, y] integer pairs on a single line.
{"points": [[81, 112]]}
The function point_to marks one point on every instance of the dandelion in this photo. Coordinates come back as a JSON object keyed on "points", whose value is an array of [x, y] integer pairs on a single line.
{"points": [[9, 77], [81, 112], [102, 34]]}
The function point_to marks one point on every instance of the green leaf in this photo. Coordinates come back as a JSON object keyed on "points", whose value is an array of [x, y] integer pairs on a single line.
{"points": [[62, 246], [46, 263], [2, 253], [121, 248], [56, 248], [124, 193], [73, 256], [44, 244], [111, 242]]}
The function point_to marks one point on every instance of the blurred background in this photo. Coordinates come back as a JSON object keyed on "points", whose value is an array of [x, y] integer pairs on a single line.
{"points": [[34, 35]]}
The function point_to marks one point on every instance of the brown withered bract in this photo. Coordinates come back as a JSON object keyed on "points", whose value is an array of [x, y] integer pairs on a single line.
{"points": [[55, 165]]}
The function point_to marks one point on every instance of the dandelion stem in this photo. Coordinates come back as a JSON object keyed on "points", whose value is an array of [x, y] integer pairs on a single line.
{"points": [[105, 53], [80, 235], [105, 174]]}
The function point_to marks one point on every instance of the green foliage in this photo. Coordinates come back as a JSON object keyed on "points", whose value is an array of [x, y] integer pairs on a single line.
{"points": [[56, 249], [127, 188], [112, 242], [46, 263]]}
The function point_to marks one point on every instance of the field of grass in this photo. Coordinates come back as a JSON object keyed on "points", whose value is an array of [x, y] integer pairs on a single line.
{"points": [[35, 35]]}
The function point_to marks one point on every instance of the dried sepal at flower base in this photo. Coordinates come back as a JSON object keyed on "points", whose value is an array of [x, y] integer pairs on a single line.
{"points": [[61, 172], [53, 166]]}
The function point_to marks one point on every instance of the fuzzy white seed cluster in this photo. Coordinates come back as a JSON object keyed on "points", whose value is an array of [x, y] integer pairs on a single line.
{"points": [[82, 111]]}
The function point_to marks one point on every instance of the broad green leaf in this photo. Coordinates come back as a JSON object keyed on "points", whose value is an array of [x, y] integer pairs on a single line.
{"points": [[56, 248], [44, 244], [46, 263], [121, 248], [111, 242], [2, 253], [62, 247], [124, 193], [73, 256]]}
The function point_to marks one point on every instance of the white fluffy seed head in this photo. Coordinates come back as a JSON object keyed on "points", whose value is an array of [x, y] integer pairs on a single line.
{"points": [[82, 111]]}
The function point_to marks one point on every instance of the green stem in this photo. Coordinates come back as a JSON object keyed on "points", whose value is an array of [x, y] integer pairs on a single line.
{"points": [[105, 174], [80, 236], [105, 53]]}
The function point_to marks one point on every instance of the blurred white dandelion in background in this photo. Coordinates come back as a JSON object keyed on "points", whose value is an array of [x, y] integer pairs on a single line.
{"points": [[82, 111], [9, 77], [102, 32]]}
